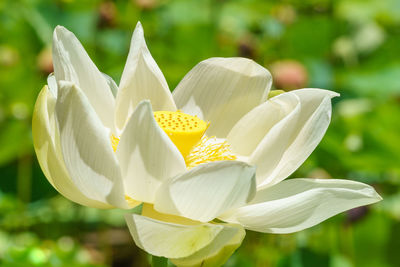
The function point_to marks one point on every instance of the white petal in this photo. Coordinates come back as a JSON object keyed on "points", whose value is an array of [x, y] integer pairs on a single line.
{"points": [[149, 211], [72, 63], [262, 121], [142, 79], [217, 252], [86, 148], [280, 134], [147, 155], [168, 239], [222, 90], [273, 145], [207, 190], [172, 240], [297, 204], [313, 122], [47, 147], [52, 85], [111, 84]]}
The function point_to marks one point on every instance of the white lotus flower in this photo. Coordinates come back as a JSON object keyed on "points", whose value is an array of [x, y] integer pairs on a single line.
{"points": [[223, 155]]}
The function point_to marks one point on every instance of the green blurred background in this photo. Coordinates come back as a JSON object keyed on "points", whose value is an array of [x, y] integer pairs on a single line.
{"points": [[349, 46]]}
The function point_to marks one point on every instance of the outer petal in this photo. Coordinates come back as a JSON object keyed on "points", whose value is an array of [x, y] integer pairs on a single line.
{"points": [[314, 120], [280, 134], [149, 211], [72, 63], [47, 147], [207, 190], [297, 204], [173, 240], [215, 254], [268, 119], [147, 155], [111, 84], [142, 79], [86, 148], [222, 90], [52, 83]]}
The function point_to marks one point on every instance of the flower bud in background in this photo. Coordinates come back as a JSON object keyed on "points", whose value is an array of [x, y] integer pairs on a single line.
{"points": [[146, 4], [45, 61], [107, 14], [289, 74]]}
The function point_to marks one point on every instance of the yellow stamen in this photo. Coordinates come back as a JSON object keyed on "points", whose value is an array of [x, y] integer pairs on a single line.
{"points": [[207, 150], [184, 130], [114, 142]]}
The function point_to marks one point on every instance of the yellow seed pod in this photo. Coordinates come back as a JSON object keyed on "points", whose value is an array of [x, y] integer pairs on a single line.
{"points": [[184, 130]]}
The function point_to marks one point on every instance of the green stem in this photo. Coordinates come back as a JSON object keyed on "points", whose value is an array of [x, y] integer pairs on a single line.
{"points": [[159, 261]]}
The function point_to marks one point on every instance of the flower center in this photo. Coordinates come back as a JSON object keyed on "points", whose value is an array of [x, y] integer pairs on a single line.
{"points": [[184, 130], [209, 149], [187, 133]]}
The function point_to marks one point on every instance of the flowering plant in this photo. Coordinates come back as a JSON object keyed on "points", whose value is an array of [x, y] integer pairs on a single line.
{"points": [[206, 162]]}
